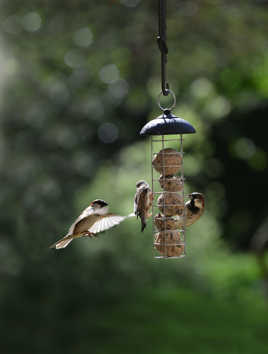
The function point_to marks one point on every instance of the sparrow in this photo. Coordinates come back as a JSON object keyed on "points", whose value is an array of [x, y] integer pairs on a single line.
{"points": [[143, 202], [93, 220], [194, 208]]}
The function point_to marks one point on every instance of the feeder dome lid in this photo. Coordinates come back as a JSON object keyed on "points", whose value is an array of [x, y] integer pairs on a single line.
{"points": [[167, 124]]}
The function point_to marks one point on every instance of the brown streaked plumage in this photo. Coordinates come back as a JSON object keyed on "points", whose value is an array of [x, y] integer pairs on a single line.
{"points": [[143, 202], [194, 208], [94, 219]]}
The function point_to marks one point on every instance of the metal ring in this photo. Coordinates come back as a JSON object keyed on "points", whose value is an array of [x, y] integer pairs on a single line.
{"points": [[172, 105]]}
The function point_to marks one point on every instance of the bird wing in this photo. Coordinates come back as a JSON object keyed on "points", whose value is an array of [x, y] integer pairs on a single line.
{"points": [[135, 204], [140, 200], [105, 222], [87, 212], [149, 202]]}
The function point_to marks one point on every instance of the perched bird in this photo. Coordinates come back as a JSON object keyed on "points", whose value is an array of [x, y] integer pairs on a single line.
{"points": [[94, 219], [143, 202], [194, 208]]}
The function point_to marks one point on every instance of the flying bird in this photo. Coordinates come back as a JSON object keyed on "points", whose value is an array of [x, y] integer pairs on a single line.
{"points": [[194, 208], [93, 220], [143, 202]]}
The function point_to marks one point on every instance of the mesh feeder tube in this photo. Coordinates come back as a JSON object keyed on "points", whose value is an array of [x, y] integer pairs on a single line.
{"points": [[168, 211]]}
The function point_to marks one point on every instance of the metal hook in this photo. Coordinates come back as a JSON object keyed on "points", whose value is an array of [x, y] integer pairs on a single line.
{"points": [[161, 41], [167, 109]]}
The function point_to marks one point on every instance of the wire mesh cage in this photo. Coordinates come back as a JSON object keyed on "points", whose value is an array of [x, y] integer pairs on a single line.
{"points": [[168, 192], [168, 209]]}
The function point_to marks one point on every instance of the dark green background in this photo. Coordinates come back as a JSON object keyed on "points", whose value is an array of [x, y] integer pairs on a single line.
{"points": [[78, 80]]}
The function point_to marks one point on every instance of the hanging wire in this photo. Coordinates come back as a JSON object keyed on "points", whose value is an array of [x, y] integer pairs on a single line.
{"points": [[161, 40]]}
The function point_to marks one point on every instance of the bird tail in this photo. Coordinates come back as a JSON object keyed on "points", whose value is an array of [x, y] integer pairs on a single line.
{"points": [[143, 223], [62, 243], [142, 216]]}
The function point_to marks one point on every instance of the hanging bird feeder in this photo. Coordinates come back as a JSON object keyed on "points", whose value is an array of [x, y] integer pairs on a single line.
{"points": [[166, 135]]}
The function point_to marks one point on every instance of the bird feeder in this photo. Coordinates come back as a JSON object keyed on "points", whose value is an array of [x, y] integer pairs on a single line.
{"points": [[166, 136]]}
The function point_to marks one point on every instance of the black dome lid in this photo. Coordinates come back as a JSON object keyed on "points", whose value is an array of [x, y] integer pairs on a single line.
{"points": [[167, 124]]}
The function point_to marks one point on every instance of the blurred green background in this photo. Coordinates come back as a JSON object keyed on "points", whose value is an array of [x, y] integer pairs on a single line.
{"points": [[78, 81]]}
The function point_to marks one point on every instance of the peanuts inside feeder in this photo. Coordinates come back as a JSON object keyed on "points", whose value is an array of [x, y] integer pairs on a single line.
{"points": [[169, 244], [171, 183], [166, 133], [170, 203], [163, 223], [167, 162]]}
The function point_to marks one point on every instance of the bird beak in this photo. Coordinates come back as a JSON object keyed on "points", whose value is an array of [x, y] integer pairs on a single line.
{"points": [[189, 195]]}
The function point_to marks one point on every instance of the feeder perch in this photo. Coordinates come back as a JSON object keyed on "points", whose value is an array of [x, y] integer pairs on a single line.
{"points": [[168, 210]]}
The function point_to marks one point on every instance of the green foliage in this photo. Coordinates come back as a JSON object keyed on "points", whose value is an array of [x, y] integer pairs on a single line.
{"points": [[78, 81]]}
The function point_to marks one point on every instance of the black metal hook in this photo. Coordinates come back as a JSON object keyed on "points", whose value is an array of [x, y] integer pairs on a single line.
{"points": [[161, 40]]}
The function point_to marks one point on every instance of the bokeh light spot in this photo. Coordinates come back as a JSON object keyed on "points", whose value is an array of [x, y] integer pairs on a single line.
{"points": [[218, 107], [118, 90], [109, 73], [244, 148], [57, 89], [74, 59], [83, 37], [201, 88], [108, 133], [31, 22]]}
